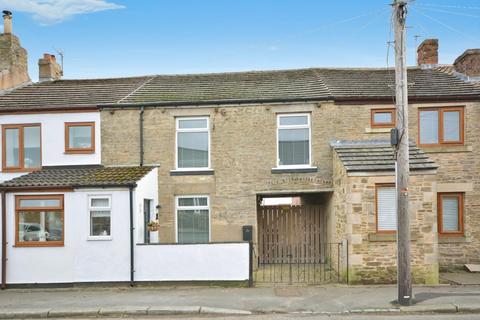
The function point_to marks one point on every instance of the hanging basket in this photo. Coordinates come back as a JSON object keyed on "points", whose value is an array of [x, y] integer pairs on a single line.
{"points": [[153, 226]]}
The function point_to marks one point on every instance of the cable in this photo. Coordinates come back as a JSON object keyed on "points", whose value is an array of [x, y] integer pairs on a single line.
{"points": [[447, 6], [454, 13]]}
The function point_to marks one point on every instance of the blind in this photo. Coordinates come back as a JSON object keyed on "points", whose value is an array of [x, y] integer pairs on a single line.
{"points": [[386, 209], [450, 214], [428, 127]]}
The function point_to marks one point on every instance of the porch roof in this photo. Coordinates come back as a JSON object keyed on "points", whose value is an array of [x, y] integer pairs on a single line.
{"points": [[79, 177], [377, 155]]}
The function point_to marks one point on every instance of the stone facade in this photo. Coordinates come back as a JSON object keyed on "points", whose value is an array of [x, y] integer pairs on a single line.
{"points": [[243, 152]]}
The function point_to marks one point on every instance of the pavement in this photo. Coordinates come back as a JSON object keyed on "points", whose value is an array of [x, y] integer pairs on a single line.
{"points": [[217, 301]]}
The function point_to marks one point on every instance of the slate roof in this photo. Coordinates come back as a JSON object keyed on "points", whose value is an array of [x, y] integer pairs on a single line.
{"points": [[377, 155], [79, 176], [314, 84]]}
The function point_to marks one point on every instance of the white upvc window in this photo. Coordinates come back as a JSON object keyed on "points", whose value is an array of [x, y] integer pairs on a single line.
{"points": [[192, 143], [100, 213], [293, 140], [193, 219]]}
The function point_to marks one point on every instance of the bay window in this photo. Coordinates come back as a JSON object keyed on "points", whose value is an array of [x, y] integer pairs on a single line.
{"points": [[39, 220], [21, 147], [193, 219], [193, 143], [293, 137], [441, 126], [386, 208]]}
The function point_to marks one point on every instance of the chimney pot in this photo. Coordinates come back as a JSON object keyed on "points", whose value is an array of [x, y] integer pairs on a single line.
{"points": [[427, 52], [7, 22]]}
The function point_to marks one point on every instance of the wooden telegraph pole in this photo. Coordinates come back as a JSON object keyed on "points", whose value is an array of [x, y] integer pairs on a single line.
{"points": [[404, 277]]}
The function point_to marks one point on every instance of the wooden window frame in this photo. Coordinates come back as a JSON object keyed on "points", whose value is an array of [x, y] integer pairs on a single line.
{"points": [[60, 209], [70, 150], [440, 111], [378, 186], [460, 197], [21, 159], [374, 124]]}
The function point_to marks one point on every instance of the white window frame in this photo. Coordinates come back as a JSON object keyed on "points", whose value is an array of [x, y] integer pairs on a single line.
{"points": [[207, 207], [178, 130], [90, 209], [303, 126]]}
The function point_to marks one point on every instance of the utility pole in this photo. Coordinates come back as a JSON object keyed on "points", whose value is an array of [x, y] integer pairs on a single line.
{"points": [[404, 277]]}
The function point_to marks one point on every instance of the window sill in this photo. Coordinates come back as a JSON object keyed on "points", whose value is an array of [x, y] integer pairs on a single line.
{"points": [[203, 172], [294, 170], [38, 244], [452, 239], [386, 237], [446, 149], [99, 238], [79, 152], [378, 130]]}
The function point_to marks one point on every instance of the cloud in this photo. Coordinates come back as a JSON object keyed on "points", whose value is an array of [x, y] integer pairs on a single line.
{"points": [[54, 11]]}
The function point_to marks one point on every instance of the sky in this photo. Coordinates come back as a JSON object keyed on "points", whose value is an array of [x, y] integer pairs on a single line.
{"points": [[115, 38]]}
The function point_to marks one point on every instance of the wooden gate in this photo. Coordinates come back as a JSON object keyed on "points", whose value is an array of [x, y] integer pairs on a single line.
{"points": [[293, 248]]}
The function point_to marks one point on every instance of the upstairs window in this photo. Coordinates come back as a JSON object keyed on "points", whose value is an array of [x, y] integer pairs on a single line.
{"points": [[293, 140], [450, 213], [39, 220], [382, 118], [386, 208], [21, 147], [80, 137], [441, 126], [193, 143]]}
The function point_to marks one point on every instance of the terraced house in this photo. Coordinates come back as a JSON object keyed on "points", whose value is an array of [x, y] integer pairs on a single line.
{"points": [[298, 161]]}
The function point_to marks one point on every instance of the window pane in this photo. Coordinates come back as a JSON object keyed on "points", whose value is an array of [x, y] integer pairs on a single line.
{"points": [[80, 137], [31, 147], [429, 127], [451, 126], [450, 214], [382, 117], [386, 209], [99, 223], [193, 226], [12, 147], [189, 202], [36, 203], [294, 120], [293, 146], [100, 202], [40, 226], [192, 149], [192, 123]]}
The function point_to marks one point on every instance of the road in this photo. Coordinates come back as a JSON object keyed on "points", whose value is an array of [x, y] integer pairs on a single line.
{"points": [[322, 317]]}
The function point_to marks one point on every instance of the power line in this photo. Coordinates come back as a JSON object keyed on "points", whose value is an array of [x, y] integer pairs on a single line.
{"points": [[454, 13], [447, 6], [445, 25]]}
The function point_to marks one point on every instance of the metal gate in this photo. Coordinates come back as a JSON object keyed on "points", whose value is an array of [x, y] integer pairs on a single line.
{"points": [[293, 248]]}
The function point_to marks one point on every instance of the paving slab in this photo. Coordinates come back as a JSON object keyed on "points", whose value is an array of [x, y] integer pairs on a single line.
{"points": [[123, 310], [462, 278], [212, 310], [73, 312]]}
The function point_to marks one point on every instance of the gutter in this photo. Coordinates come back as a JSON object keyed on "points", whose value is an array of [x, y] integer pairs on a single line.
{"points": [[210, 102], [4, 243], [132, 245]]}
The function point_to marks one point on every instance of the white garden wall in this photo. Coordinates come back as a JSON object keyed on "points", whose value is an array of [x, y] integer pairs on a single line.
{"points": [[192, 262]]}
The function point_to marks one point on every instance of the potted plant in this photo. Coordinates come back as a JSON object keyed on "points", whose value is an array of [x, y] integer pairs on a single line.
{"points": [[153, 225]]}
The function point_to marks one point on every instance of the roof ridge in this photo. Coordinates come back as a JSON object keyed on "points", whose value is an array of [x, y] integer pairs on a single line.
{"points": [[138, 88]]}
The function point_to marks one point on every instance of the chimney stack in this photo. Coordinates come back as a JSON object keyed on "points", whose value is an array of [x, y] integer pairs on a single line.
{"points": [[13, 58], [49, 69], [468, 64], [427, 53], [7, 22]]}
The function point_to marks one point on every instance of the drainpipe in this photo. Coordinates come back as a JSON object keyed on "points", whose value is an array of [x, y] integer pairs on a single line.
{"points": [[132, 244], [4, 243], [142, 110]]}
